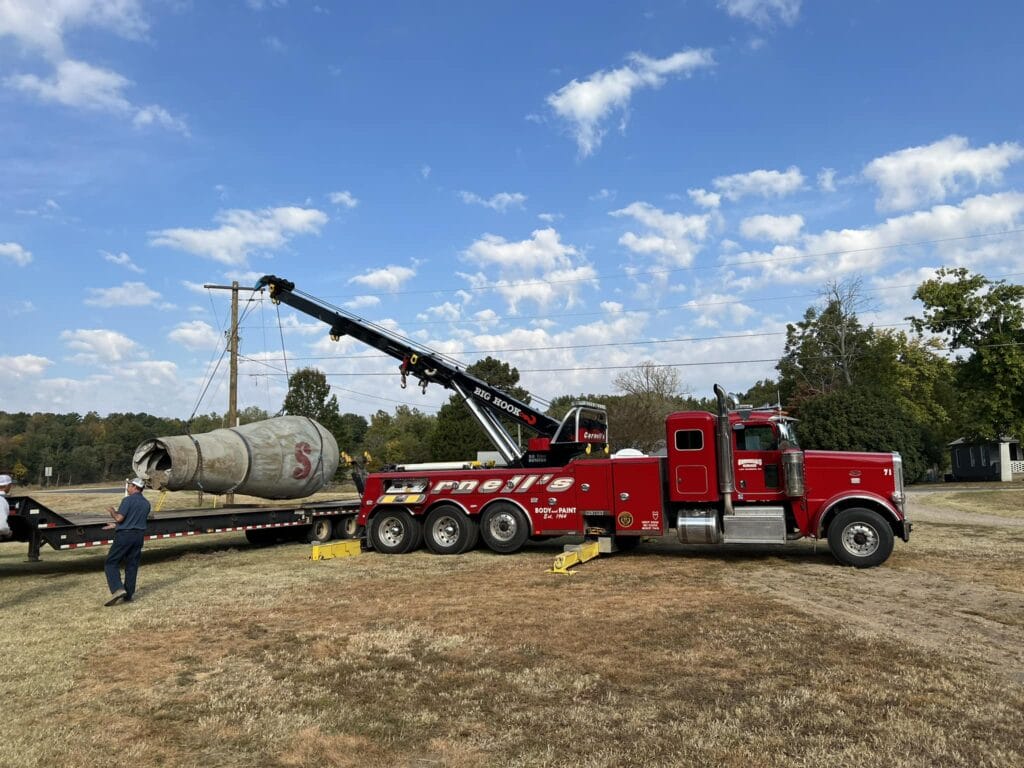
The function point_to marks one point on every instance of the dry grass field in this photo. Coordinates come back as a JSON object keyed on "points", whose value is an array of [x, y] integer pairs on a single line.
{"points": [[234, 655]]}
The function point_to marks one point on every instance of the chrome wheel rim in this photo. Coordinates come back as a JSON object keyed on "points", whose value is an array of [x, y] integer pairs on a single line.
{"points": [[860, 539], [503, 526], [391, 531], [445, 531]]}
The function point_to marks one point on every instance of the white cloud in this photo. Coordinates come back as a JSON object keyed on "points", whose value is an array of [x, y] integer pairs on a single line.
{"points": [[544, 251], [77, 84], [827, 180], [671, 237], [780, 229], [705, 199], [24, 365], [603, 194], [587, 104], [99, 346], [713, 308], [124, 295], [946, 233], [15, 253], [550, 218], [195, 334], [932, 173], [80, 85], [499, 202], [242, 232], [361, 302], [425, 171], [344, 198], [389, 278], [760, 183], [274, 43], [155, 114], [763, 12], [41, 24], [122, 259], [541, 269], [259, 5]]}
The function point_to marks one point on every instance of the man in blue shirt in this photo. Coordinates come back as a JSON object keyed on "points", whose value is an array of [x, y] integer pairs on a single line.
{"points": [[129, 533]]}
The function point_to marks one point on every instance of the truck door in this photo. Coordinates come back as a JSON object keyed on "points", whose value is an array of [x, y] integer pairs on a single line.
{"points": [[758, 462], [638, 498]]}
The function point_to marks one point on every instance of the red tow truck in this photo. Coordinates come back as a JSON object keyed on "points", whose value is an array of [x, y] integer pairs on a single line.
{"points": [[735, 477]]}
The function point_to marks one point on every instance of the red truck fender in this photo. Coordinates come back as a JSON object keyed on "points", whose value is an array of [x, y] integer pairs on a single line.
{"points": [[867, 500]]}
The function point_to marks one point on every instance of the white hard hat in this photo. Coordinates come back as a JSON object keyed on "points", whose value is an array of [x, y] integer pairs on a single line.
{"points": [[138, 482], [6, 480]]}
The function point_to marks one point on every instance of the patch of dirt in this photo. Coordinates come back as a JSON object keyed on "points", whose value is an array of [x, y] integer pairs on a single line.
{"points": [[910, 599]]}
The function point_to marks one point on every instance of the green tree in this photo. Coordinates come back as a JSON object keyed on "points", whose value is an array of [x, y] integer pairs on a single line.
{"points": [[649, 393], [855, 419], [458, 435], [823, 350], [309, 395], [982, 322], [402, 437]]}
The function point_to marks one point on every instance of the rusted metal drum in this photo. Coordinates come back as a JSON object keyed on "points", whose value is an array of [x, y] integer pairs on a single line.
{"points": [[286, 457]]}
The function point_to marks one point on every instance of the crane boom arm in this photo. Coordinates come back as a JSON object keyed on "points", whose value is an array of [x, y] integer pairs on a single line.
{"points": [[485, 401]]}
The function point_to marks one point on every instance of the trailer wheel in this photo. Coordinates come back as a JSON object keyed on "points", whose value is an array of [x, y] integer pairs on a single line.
{"points": [[320, 531], [395, 532], [860, 537], [347, 527], [450, 531], [504, 528]]}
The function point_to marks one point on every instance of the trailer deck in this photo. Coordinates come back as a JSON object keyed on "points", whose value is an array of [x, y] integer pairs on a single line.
{"points": [[36, 524]]}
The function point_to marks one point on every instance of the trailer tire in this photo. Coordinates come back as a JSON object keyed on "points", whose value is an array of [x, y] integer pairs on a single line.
{"points": [[322, 530], [504, 528], [860, 537], [347, 527], [395, 532], [450, 531]]}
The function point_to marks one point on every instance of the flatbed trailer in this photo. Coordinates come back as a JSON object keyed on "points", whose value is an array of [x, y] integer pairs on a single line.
{"points": [[36, 524]]}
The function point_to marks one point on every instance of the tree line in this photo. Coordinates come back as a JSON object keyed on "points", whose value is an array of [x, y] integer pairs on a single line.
{"points": [[958, 371]]}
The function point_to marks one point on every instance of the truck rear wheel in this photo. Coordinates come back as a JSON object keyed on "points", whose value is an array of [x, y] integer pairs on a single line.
{"points": [[504, 528], [450, 531], [860, 537], [395, 532]]}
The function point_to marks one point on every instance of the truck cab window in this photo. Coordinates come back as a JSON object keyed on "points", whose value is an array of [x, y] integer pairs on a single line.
{"points": [[757, 438]]}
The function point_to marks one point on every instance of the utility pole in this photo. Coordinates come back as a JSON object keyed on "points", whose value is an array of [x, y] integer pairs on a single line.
{"points": [[232, 415]]}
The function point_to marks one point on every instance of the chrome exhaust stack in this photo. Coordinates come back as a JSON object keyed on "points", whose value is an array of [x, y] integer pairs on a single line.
{"points": [[723, 447]]}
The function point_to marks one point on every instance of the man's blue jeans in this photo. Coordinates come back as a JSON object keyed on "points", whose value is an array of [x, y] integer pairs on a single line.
{"points": [[127, 546]]}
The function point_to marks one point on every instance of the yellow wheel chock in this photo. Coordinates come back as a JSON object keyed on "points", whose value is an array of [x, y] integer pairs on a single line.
{"points": [[574, 554], [343, 548]]}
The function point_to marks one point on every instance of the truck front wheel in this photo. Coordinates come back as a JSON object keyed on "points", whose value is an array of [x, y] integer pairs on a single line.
{"points": [[860, 537], [504, 528], [395, 532], [450, 531]]}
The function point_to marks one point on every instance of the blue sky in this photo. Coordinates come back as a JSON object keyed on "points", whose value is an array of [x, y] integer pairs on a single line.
{"points": [[573, 187]]}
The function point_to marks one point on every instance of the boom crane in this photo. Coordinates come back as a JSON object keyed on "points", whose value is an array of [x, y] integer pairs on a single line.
{"points": [[582, 428]]}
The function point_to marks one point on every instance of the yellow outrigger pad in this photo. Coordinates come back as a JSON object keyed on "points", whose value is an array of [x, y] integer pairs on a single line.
{"points": [[344, 548], [575, 554]]}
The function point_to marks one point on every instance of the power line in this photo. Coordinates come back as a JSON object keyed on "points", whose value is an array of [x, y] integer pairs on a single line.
{"points": [[703, 268]]}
